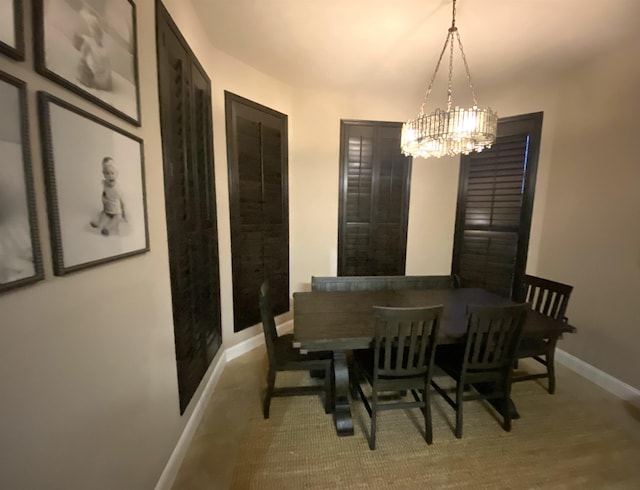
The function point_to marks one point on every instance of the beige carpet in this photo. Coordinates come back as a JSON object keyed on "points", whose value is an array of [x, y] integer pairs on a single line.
{"points": [[582, 437]]}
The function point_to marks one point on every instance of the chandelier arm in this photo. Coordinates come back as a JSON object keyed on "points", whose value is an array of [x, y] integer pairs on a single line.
{"points": [[435, 72], [466, 67]]}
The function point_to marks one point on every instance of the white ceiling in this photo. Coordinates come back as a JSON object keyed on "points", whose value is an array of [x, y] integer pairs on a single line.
{"points": [[348, 44]]}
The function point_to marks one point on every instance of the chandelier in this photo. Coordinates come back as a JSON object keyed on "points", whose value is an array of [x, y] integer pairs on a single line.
{"points": [[455, 130]]}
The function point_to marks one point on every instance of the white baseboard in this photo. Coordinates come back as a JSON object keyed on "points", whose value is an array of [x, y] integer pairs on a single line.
{"points": [[170, 471], [603, 380], [255, 341]]}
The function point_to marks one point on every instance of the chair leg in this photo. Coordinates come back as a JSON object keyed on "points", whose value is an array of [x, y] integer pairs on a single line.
{"points": [[459, 396], [428, 430], [551, 369], [271, 380], [507, 414], [374, 414]]}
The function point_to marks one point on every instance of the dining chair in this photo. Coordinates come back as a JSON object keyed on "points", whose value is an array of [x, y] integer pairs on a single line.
{"points": [[284, 357], [401, 360], [551, 299], [484, 361]]}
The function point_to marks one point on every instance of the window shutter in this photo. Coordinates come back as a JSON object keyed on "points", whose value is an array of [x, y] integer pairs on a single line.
{"points": [[494, 207], [257, 154], [374, 200]]}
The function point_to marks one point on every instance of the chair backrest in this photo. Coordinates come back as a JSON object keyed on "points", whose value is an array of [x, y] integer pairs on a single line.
{"points": [[493, 335], [378, 283], [268, 321], [405, 340], [547, 297]]}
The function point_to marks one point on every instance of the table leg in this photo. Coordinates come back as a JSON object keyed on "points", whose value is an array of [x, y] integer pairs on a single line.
{"points": [[342, 410], [486, 388]]}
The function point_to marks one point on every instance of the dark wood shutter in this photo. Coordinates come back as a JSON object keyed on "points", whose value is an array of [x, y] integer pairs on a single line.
{"points": [[374, 199], [190, 203], [495, 202], [258, 167]]}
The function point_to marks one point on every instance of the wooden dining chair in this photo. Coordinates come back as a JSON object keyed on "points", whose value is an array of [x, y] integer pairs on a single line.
{"points": [[551, 299], [484, 361], [284, 357], [401, 360]]}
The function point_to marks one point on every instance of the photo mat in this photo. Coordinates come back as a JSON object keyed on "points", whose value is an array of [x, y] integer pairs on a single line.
{"points": [[20, 256], [90, 47], [94, 174]]}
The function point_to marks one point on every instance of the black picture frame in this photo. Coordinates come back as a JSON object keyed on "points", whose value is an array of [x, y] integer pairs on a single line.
{"points": [[91, 221], [20, 255], [12, 29], [91, 48]]}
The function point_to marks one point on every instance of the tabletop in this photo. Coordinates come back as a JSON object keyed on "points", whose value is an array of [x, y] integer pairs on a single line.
{"points": [[333, 320]]}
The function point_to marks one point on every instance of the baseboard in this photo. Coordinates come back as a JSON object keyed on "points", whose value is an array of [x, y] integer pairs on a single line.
{"points": [[603, 380], [170, 471], [255, 341]]}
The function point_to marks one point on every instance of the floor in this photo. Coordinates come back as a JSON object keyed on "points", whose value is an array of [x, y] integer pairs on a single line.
{"points": [[581, 437]]}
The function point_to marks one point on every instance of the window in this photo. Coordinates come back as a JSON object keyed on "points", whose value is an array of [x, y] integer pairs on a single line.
{"points": [[374, 199], [258, 194], [495, 202]]}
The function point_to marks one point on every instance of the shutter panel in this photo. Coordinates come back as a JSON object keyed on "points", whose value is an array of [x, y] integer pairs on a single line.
{"points": [[374, 200], [358, 197], [185, 111], [257, 153], [494, 207]]}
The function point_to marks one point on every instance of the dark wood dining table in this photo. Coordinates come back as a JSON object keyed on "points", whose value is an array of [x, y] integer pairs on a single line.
{"points": [[341, 321]]}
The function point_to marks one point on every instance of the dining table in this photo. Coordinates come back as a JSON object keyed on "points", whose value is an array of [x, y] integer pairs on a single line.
{"points": [[341, 321]]}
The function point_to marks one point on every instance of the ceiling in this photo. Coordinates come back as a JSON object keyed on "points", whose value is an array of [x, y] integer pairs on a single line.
{"points": [[379, 44]]}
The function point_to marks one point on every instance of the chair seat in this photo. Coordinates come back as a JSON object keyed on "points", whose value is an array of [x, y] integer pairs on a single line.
{"points": [[288, 356], [530, 347]]}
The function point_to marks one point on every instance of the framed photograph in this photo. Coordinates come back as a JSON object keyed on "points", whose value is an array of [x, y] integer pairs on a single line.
{"points": [[20, 258], [94, 174], [90, 47], [11, 29]]}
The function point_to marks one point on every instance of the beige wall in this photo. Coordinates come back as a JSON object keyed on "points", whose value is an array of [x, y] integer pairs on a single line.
{"points": [[591, 230], [87, 362]]}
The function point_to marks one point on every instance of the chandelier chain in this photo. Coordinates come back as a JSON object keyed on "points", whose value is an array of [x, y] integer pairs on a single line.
{"points": [[466, 67], [433, 77]]}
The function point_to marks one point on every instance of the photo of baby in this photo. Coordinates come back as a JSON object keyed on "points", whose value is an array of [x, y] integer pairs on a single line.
{"points": [[90, 45], [96, 187], [113, 209]]}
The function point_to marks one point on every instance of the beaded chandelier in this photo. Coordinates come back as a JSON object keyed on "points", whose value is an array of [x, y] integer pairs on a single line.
{"points": [[452, 131]]}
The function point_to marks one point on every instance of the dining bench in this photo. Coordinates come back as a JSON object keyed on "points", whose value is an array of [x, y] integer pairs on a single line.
{"points": [[382, 283]]}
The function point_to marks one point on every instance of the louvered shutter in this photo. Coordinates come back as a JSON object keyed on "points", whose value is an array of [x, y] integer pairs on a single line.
{"points": [[185, 113], [258, 162], [374, 200], [494, 207]]}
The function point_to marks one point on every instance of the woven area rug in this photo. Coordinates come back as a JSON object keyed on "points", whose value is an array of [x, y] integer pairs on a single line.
{"points": [[561, 441]]}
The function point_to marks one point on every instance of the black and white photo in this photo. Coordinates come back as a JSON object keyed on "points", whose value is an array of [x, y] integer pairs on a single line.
{"points": [[94, 174], [90, 47], [20, 259], [11, 30]]}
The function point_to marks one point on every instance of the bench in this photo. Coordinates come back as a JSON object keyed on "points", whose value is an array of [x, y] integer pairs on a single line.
{"points": [[379, 283]]}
